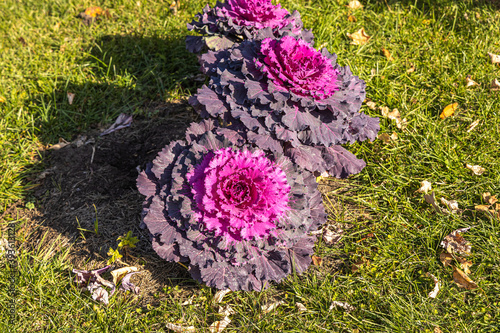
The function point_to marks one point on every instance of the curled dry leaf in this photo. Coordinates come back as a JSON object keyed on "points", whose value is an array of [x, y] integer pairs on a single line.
{"points": [[62, 143], [455, 243], [437, 284], [270, 307], [219, 295], [451, 204], [476, 169], [351, 18], [360, 37], [495, 58], [446, 258], [71, 97], [346, 306], [425, 187], [394, 115], [384, 137], [431, 200], [122, 121], [371, 105], [387, 54], [449, 111], [394, 136], [129, 286], [300, 307], [220, 325], [411, 69], [495, 85], [482, 208], [100, 294], [118, 274], [469, 82], [357, 265], [473, 125], [463, 280], [180, 329], [355, 4]]}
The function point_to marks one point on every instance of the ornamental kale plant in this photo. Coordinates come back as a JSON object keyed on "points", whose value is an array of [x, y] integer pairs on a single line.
{"points": [[238, 216], [290, 98], [236, 20]]}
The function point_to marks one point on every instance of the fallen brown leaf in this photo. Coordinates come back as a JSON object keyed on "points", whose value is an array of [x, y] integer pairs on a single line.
{"points": [[452, 205], [411, 69], [495, 85], [449, 110], [351, 18], [300, 307], [62, 143], [482, 208], [220, 294], [270, 307], [371, 105], [359, 37], [463, 280], [346, 306], [491, 199], [180, 329], [331, 237], [387, 54], [118, 274], [71, 97], [476, 169], [455, 243], [446, 259], [465, 264]]}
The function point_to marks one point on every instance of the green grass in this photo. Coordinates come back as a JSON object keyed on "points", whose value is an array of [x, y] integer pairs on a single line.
{"points": [[138, 55]]}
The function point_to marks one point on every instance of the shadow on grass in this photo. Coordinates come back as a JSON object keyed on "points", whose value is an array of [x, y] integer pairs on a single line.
{"points": [[87, 192]]}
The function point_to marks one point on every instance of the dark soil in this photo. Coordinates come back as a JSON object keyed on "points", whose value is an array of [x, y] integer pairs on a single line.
{"points": [[93, 178]]}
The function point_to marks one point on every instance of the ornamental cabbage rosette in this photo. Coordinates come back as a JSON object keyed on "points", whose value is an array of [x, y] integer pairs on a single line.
{"points": [[285, 90], [235, 20], [237, 216]]}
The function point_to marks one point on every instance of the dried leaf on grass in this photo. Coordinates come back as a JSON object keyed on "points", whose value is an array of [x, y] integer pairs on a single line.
{"points": [[431, 199], [221, 325], [473, 125], [452, 205], [394, 115], [270, 307], [465, 264], [446, 258], [71, 97], [476, 169], [300, 307], [129, 286], [495, 85], [387, 54], [455, 243], [411, 69], [355, 4], [437, 285], [346, 306], [91, 14], [425, 187], [219, 295], [359, 37], [62, 143], [463, 280], [495, 58], [351, 18], [449, 111], [371, 105], [180, 329], [469, 82], [331, 237]]}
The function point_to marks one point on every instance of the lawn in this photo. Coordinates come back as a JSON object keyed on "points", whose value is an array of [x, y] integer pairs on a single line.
{"points": [[134, 61]]}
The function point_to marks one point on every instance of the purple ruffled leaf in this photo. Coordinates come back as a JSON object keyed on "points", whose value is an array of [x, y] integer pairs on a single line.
{"points": [[129, 286]]}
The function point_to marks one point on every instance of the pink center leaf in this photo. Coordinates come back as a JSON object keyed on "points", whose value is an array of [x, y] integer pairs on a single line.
{"points": [[255, 13], [239, 195], [294, 65]]}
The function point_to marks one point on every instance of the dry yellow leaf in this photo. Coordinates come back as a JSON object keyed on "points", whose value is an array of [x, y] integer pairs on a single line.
{"points": [[121, 272], [2, 99], [180, 329], [469, 82], [495, 58], [463, 280], [476, 169], [482, 208], [446, 258], [437, 284], [351, 18], [355, 5], [94, 11], [411, 69], [394, 136], [384, 137], [360, 37], [387, 54], [449, 110], [491, 199]]}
